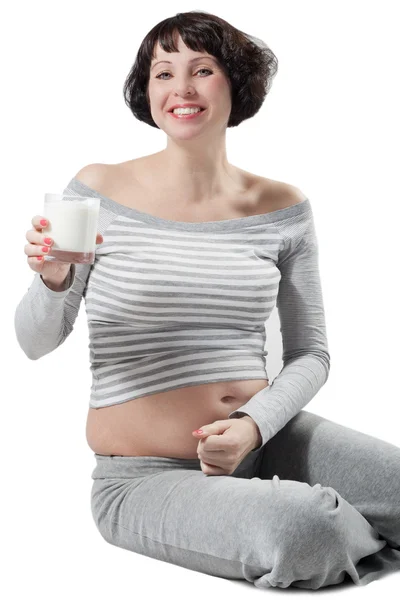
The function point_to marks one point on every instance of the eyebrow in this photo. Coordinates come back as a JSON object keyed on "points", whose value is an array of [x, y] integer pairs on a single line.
{"points": [[190, 61]]}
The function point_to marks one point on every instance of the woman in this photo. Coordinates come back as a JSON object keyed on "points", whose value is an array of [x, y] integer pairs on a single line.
{"points": [[199, 462]]}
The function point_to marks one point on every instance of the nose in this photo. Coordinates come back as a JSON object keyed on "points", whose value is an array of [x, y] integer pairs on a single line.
{"points": [[183, 87]]}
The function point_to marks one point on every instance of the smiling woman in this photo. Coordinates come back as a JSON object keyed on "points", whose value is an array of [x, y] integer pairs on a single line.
{"points": [[195, 254], [247, 63]]}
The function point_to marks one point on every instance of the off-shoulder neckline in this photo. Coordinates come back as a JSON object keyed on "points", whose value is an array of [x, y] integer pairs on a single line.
{"points": [[221, 225]]}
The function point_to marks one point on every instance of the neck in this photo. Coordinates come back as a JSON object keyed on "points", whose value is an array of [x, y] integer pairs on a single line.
{"points": [[197, 174]]}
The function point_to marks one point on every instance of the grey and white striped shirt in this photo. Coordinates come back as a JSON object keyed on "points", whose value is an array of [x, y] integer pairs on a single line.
{"points": [[172, 304]]}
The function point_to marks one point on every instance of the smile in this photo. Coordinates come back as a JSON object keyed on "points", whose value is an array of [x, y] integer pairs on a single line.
{"points": [[190, 116]]}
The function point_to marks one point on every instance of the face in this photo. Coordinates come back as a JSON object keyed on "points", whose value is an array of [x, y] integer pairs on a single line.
{"points": [[188, 76]]}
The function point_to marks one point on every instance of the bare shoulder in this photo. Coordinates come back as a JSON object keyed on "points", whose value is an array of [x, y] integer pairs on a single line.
{"points": [[93, 175], [289, 194], [276, 195], [116, 180]]}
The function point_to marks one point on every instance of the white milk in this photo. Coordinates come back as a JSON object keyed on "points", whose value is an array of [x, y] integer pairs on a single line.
{"points": [[73, 226]]}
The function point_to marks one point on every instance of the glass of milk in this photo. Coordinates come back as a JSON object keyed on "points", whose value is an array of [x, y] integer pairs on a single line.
{"points": [[73, 226]]}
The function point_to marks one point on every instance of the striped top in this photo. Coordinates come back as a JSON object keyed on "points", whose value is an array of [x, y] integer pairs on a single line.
{"points": [[171, 304]]}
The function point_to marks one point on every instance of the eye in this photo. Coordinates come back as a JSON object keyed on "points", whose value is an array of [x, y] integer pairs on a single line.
{"points": [[166, 72]]}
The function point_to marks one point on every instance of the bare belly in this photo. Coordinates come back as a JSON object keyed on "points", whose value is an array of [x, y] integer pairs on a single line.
{"points": [[162, 424]]}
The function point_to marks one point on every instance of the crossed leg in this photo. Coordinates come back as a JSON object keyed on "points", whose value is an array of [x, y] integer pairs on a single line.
{"points": [[362, 469], [316, 504]]}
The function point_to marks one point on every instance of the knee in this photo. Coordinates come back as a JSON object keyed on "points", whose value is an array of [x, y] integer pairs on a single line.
{"points": [[100, 507], [312, 541], [310, 521], [96, 501]]}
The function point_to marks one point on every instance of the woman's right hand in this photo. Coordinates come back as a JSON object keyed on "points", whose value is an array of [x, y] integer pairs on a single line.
{"points": [[38, 246]]}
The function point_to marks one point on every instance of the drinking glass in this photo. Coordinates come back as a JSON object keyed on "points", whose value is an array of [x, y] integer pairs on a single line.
{"points": [[73, 226]]}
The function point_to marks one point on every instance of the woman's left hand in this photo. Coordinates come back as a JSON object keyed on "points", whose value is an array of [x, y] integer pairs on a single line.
{"points": [[224, 444]]}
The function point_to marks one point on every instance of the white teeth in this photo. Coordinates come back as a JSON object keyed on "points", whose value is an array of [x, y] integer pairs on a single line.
{"points": [[186, 111]]}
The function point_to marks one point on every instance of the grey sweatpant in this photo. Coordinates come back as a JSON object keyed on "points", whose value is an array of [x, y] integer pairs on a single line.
{"points": [[317, 505]]}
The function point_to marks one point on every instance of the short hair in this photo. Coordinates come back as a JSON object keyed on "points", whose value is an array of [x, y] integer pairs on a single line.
{"points": [[248, 62]]}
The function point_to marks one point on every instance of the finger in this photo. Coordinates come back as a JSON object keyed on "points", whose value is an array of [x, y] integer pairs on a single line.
{"points": [[37, 237], [214, 461], [35, 262], [37, 224], [35, 250], [210, 469]]}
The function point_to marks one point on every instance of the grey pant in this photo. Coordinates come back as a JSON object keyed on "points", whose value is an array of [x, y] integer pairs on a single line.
{"points": [[318, 505]]}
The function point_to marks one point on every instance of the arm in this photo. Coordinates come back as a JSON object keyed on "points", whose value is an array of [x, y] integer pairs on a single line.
{"points": [[46, 314], [62, 285], [306, 359], [44, 317]]}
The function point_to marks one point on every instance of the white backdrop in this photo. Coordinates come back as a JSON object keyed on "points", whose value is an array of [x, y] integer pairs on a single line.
{"points": [[329, 126]]}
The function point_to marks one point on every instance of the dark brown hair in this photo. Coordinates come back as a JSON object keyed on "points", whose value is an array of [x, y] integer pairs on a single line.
{"points": [[247, 61]]}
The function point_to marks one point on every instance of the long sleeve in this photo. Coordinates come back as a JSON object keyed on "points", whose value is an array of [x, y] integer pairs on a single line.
{"points": [[44, 318], [306, 359]]}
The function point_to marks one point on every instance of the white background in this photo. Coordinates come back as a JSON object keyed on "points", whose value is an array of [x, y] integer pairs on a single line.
{"points": [[329, 126]]}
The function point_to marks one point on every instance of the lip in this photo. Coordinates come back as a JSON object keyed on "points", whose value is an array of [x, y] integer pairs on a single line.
{"points": [[188, 105], [188, 117]]}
